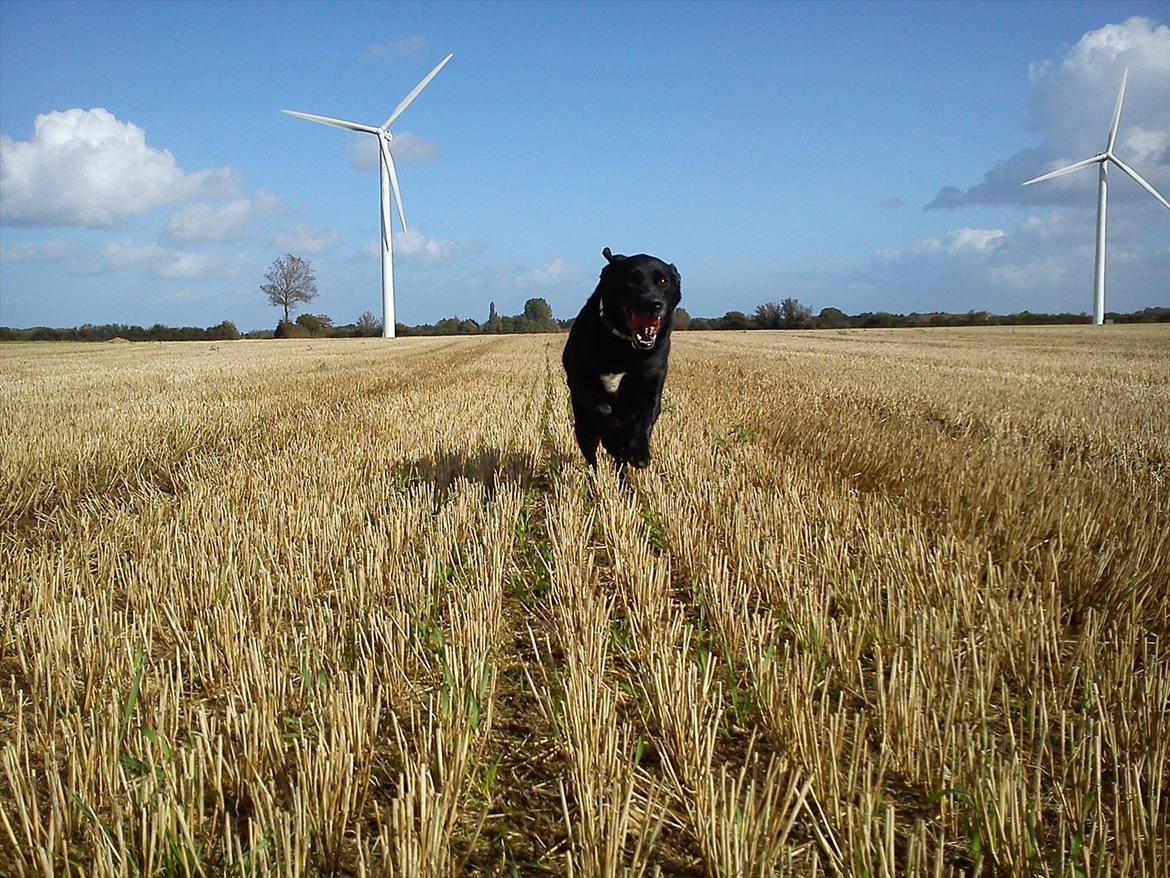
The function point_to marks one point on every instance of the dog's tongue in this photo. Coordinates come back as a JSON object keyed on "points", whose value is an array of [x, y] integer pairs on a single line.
{"points": [[642, 323]]}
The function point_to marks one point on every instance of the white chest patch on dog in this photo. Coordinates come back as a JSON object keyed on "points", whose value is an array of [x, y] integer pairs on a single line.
{"points": [[611, 381]]}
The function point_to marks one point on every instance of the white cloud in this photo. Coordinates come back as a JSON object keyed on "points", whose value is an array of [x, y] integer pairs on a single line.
{"points": [[52, 250], [1145, 146], [976, 240], [407, 149], [553, 273], [222, 222], [87, 168], [927, 247], [1044, 264], [549, 279], [168, 262], [306, 238], [1071, 106], [1052, 226], [961, 241], [418, 248]]}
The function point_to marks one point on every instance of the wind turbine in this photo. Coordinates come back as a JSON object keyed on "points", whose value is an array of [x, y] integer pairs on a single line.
{"points": [[1102, 160], [389, 180]]}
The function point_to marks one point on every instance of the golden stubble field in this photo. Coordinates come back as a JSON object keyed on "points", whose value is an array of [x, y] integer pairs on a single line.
{"points": [[887, 603]]}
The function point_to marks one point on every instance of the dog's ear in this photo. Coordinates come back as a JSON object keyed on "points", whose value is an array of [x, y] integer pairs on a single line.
{"points": [[675, 275], [609, 257]]}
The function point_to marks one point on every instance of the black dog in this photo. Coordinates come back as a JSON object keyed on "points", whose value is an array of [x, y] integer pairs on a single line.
{"points": [[615, 358]]}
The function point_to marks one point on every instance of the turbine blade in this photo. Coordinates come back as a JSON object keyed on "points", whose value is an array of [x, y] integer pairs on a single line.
{"points": [[1137, 178], [426, 80], [1117, 112], [388, 159], [1076, 166], [328, 120]]}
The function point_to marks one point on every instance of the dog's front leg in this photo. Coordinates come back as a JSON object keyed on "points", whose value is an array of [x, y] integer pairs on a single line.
{"points": [[636, 439], [640, 430], [592, 414], [638, 449]]}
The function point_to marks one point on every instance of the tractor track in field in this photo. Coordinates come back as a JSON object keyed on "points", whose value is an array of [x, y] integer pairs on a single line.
{"points": [[533, 767], [529, 762]]}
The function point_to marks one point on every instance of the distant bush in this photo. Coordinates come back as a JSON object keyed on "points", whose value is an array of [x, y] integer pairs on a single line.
{"points": [[225, 331], [316, 324], [288, 329]]}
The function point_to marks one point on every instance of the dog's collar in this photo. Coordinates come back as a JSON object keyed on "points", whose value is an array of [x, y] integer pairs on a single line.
{"points": [[605, 322]]}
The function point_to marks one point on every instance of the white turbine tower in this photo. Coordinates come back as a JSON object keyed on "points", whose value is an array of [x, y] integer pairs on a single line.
{"points": [[389, 180], [1102, 160]]}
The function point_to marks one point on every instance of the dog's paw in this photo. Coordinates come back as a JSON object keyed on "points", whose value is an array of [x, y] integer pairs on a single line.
{"points": [[638, 455]]}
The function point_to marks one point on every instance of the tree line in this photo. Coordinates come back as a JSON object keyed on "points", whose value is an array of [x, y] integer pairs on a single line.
{"points": [[290, 283], [790, 314], [225, 331], [538, 317]]}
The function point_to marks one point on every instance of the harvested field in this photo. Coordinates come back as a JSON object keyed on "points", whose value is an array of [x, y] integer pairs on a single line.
{"points": [[887, 603]]}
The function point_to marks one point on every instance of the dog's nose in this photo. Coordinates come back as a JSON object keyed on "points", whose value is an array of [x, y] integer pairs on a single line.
{"points": [[656, 308]]}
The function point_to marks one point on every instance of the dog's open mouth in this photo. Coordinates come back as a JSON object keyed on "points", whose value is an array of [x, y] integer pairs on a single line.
{"points": [[645, 328]]}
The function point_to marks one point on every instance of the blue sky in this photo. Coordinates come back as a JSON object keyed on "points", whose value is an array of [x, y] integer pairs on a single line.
{"points": [[864, 156]]}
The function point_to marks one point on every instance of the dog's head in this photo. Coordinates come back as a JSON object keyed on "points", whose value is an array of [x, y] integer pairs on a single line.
{"points": [[638, 297]]}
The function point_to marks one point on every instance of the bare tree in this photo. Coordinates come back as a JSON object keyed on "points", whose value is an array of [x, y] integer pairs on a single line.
{"points": [[290, 283]]}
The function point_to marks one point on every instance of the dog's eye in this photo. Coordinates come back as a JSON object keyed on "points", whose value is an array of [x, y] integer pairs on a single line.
{"points": [[661, 280]]}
